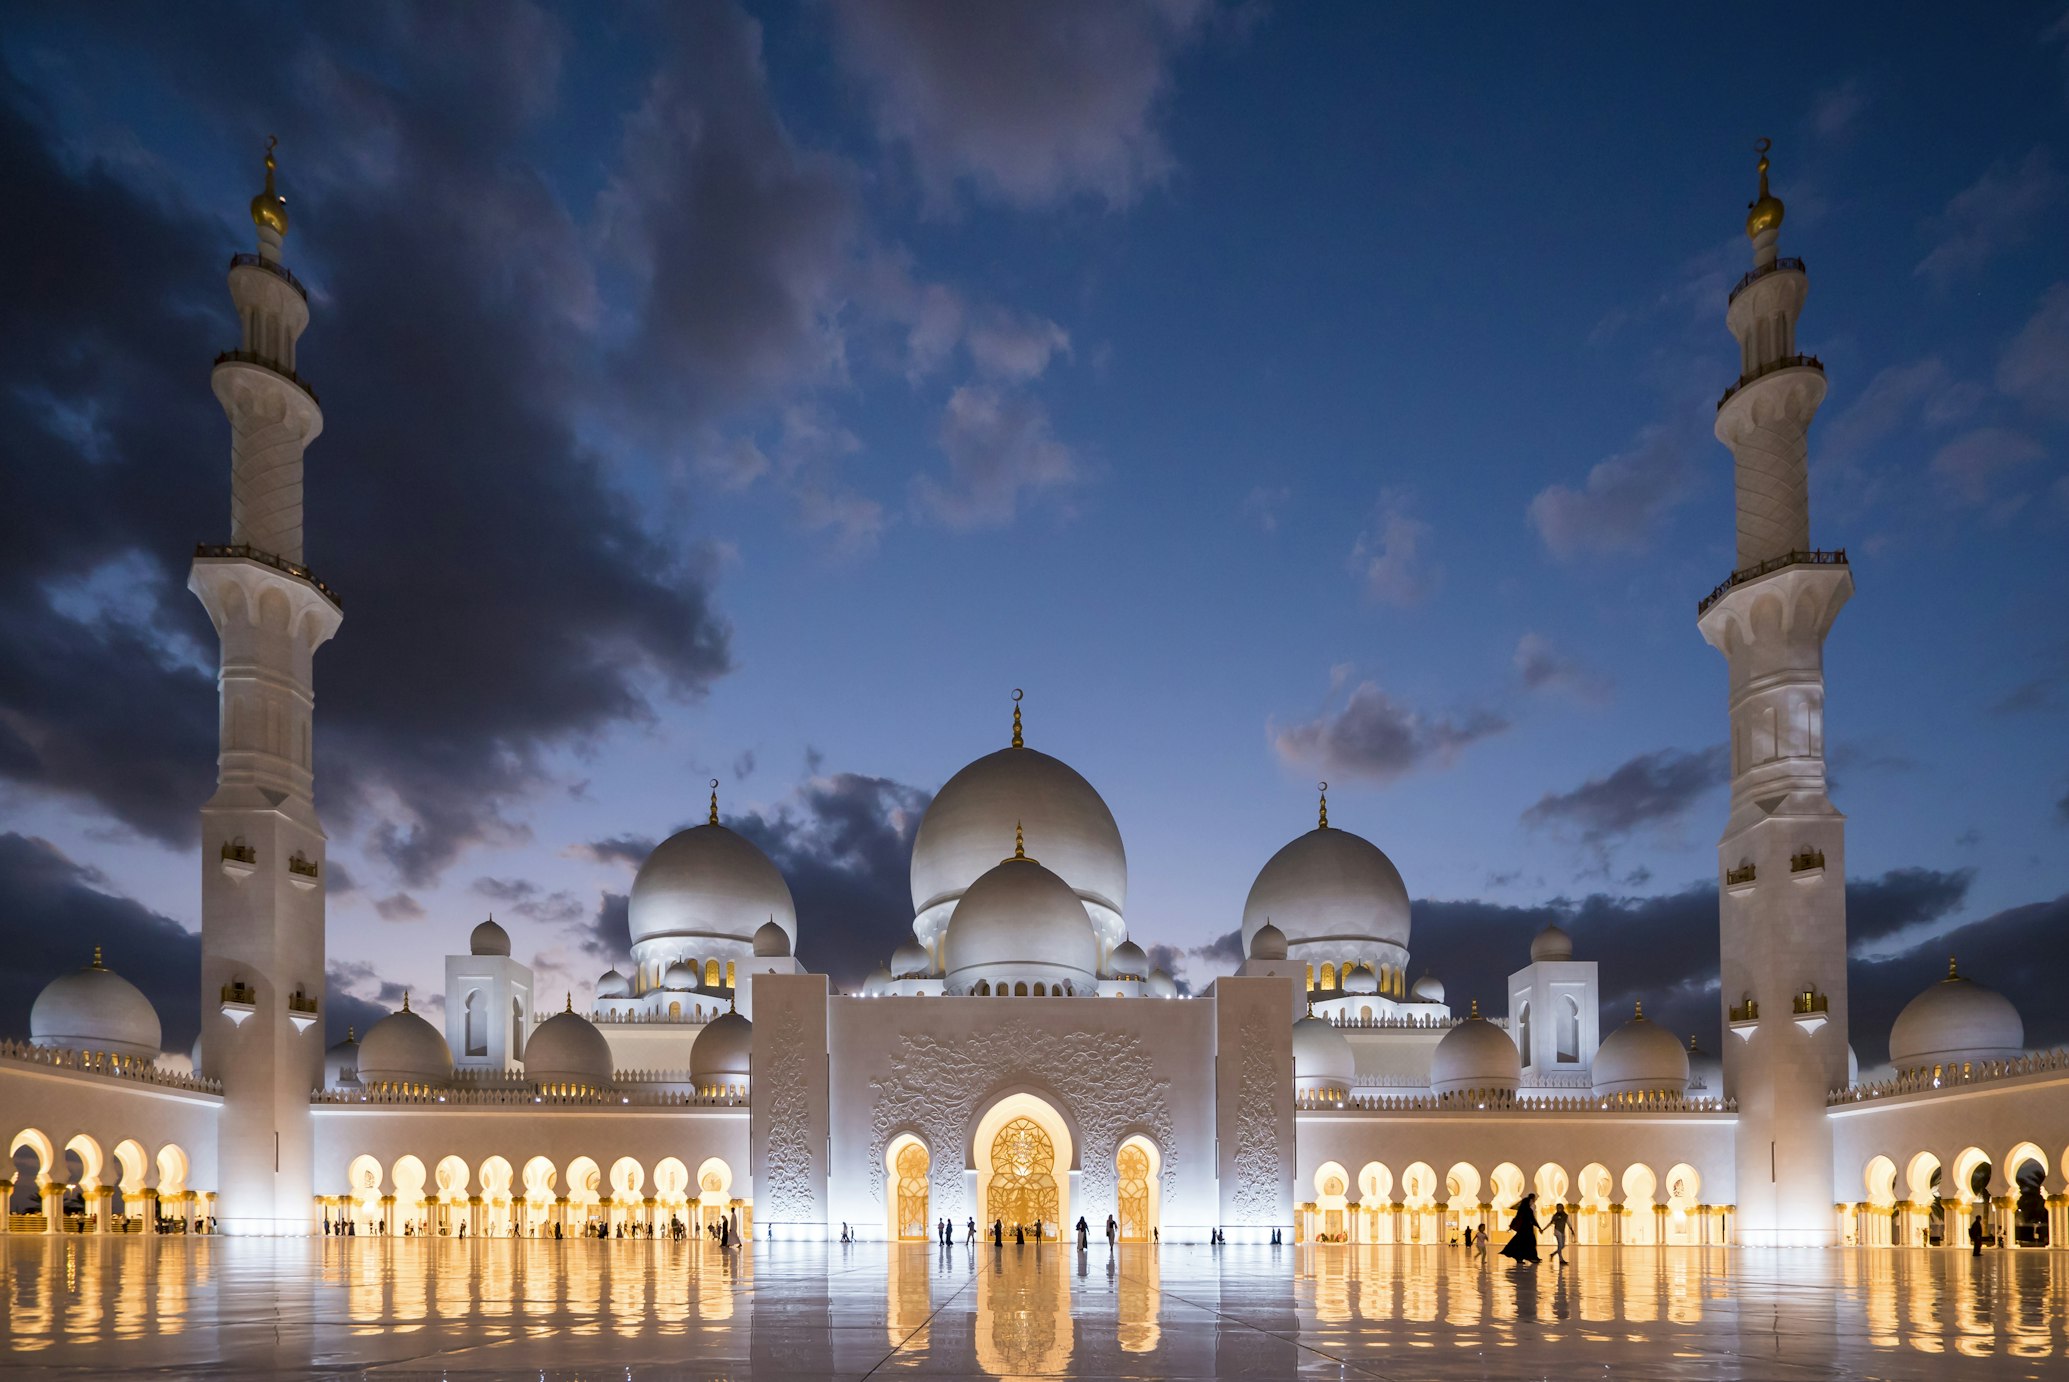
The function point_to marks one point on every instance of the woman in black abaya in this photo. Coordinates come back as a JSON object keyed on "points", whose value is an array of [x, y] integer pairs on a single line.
{"points": [[1522, 1244]]}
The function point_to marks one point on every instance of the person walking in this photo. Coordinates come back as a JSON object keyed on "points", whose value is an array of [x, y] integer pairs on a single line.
{"points": [[998, 1233], [1113, 1231], [1019, 1235], [1975, 1236], [1522, 1244], [970, 1234], [1560, 1224], [1084, 1234]]}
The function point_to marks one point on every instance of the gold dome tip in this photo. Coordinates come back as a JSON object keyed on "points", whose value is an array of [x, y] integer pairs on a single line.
{"points": [[1952, 973], [714, 802], [269, 208], [405, 1000], [1018, 742], [1765, 213], [1324, 789], [1638, 1011], [1019, 842], [97, 957], [1475, 1014]]}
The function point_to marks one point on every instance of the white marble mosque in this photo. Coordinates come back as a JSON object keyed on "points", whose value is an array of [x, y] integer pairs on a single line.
{"points": [[1019, 1060]]}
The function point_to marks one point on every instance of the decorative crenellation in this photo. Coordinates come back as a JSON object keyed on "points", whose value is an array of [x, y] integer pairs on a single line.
{"points": [[1511, 1101], [515, 1096], [1925, 1080], [106, 1063]]}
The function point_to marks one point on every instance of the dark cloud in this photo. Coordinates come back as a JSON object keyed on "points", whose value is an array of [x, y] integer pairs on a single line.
{"points": [[1224, 950], [846, 851], [618, 849], [1375, 738], [505, 598], [399, 907], [1540, 666], [607, 934], [1030, 104], [1623, 505], [1653, 789], [1000, 450], [743, 765], [528, 899], [1170, 959], [2008, 950]]}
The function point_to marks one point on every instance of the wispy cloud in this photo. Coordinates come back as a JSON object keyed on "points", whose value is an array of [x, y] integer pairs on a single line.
{"points": [[1996, 212], [1390, 557], [1374, 738]]}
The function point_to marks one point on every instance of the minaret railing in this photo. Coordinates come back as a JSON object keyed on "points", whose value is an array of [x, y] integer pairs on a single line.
{"points": [[278, 270], [1782, 363], [1835, 557], [1783, 264], [292, 568]]}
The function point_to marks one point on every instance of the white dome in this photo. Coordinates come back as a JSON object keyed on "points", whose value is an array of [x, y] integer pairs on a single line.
{"points": [[612, 984], [1020, 922], [1956, 1020], [1361, 980], [339, 1062], [1475, 1055], [1268, 944], [489, 939], [402, 1048], [1705, 1072], [708, 883], [1322, 1057], [1552, 943], [1641, 1057], [1428, 989], [910, 961], [96, 1009], [1162, 985], [771, 941], [723, 1052], [969, 827], [680, 977], [878, 981], [566, 1049], [1330, 888], [1128, 961]]}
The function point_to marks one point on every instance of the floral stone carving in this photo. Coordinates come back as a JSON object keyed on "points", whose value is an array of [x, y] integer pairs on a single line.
{"points": [[1257, 1132], [784, 1090]]}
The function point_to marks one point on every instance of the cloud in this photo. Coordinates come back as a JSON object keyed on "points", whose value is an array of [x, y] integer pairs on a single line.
{"points": [[1014, 348], [2034, 368], [1992, 214], [399, 907], [1376, 738], [527, 899], [1542, 667], [1388, 556], [1649, 791], [606, 936], [1264, 503], [1224, 950], [1974, 464], [1028, 105], [999, 448], [845, 848], [629, 850], [1997, 950], [1836, 110], [1623, 503]]}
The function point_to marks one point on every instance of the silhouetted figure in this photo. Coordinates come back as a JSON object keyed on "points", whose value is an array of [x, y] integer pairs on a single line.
{"points": [[998, 1233], [1522, 1244], [1560, 1224], [1084, 1233], [1019, 1235], [1975, 1236], [1113, 1231], [1469, 1237], [970, 1234]]}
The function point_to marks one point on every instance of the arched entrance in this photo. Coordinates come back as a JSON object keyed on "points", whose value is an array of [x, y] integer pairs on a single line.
{"points": [[1136, 1164], [907, 1162], [1022, 1153]]}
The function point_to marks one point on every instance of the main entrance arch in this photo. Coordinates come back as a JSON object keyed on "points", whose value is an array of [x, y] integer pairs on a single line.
{"points": [[1022, 1153], [1136, 1190], [907, 1161]]}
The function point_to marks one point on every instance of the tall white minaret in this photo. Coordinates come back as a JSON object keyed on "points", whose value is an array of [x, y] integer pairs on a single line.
{"points": [[262, 847], [1782, 859]]}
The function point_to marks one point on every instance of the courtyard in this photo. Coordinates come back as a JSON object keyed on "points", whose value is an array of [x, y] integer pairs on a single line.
{"points": [[431, 1307]]}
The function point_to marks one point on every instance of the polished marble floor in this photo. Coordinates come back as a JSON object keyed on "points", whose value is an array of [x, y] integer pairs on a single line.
{"points": [[176, 1307]]}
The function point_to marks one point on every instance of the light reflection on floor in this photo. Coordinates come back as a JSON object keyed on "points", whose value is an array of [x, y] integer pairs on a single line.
{"points": [[438, 1307]]}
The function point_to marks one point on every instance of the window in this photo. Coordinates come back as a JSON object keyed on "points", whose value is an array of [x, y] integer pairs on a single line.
{"points": [[1569, 1030], [1523, 1031], [711, 973], [477, 1035], [516, 1051]]}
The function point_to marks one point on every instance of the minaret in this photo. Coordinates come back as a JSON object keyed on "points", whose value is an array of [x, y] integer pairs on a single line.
{"points": [[262, 847], [1782, 859]]}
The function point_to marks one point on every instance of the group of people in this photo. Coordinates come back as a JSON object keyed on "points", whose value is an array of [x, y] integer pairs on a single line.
{"points": [[720, 1229], [1522, 1244]]}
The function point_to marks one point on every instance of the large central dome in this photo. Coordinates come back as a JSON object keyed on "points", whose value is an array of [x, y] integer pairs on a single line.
{"points": [[1331, 890], [708, 883], [969, 828]]}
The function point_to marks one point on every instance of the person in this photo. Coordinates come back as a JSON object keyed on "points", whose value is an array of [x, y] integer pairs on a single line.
{"points": [[1522, 1244], [1084, 1233], [998, 1233], [970, 1234], [1975, 1236], [1154, 1236], [1113, 1231], [1480, 1244], [556, 1229], [463, 1228], [1038, 1233], [1019, 1234], [1560, 1224], [1469, 1237]]}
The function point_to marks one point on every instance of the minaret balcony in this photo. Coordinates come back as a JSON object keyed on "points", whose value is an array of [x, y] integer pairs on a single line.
{"points": [[1811, 1010], [239, 860], [302, 871], [252, 357], [1782, 265], [240, 1000], [1834, 557], [246, 552], [301, 1010], [1740, 880], [279, 271], [1771, 367], [1807, 866], [1744, 1019]]}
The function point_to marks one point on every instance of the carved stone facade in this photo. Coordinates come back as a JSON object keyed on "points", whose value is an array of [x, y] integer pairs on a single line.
{"points": [[790, 1099]]}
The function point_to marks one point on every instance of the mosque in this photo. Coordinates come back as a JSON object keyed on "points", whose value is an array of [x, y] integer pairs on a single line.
{"points": [[1019, 1060]]}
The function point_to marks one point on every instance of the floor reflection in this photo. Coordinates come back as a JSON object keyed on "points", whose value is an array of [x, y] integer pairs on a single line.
{"points": [[110, 1304]]}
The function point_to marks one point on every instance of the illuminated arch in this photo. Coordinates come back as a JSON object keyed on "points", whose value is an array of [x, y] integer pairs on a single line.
{"points": [[1596, 1185], [1462, 1186], [1551, 1182], [38, 1142], [907, 1164], [1028, 1167], [173, 1169], [451, 1179], [1879, 1180], [92, 1161], [135, 1164], [1918, 1177], [1137, 1194], [671, 1181], [1506, 1185], [1971, 1160]]}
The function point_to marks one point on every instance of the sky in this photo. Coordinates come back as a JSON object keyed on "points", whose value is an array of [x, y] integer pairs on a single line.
{"points": [[1274, 393]]}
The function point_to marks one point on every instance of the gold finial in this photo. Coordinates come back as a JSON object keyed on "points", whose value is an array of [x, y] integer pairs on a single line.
{"points": [[1765, 213], [1475, 1014], [714, 801], [1638, 1011], [1952, 973], [352, 1034], [97, 957], [570, 1003], [269, 208], [1019, 842], [405, 1000], [1018, 742], [1324, 789], [1691, 1042]]}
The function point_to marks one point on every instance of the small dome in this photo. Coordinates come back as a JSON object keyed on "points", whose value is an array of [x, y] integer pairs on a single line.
{"points": [[910, 961], [1162, 985], [1705, 1072], [1956, 1020], [877, 984], [1475, 1055], [724, 1052], [96, 1009], [489, 939], [1269, 943], [708, 883], [1428, 989], [340, 1063], [1322, 1057], [1330, 886], [1641, 1057], [1361, 980], [1127, 961], [403, 1049], [680, 976], [1020, 923], [1552, 943], [612, 984], [771, 941], [566, 1049]]}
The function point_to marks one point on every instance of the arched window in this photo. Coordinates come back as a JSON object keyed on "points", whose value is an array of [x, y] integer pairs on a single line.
{"points": [[729, 973], [1523, 1031], [711, 973], [1041, 990], [1329, 976], [1569, 1030], [516, 1051], [1020, 989], [476, 1025]]}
